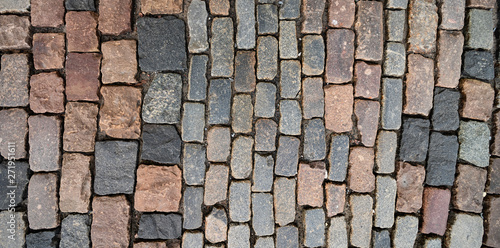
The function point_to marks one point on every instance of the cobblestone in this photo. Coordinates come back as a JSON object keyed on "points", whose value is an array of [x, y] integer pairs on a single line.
{"points": [[197, 80], [44, 140], [194, 239], [219, 7], [75, 185], [338, 158], [265, 135], [75, 231], [288, 40], [414, 140], [48, 51], [290, 117], [239, 201], [385, 201], [13, 129], [445, 114], [478, 100], [314, 227], [42, 201], [313, 98], [262, 214], [193, 124], [284, 201], [381, 239], [491, 222], [361, 222], [21, 6], [82, 76], [314, 140], [216, 225], [120, 112], [22, 180], [449, 58], [161, 6], [452, 15], [222, 48], [290, 80], [442, 159], [466, 231], [392, 103], [395, 25], [287, 236], [489, 4], [160, 226], [42, 240], [287, 156], [245, 19], [339, 55], [262, 173], [242, 113], [339, 102], [494, 177], [435, 210], [15, 29], [397, 4], [313, 55], [469, 188], [385, 155], [80, 127], [219, 101], [290, 9], [197, 22], [267, 57], [80, 5], [81, 31], [360, 175], [14, 72], [395, 59], [312, 11], [119, 63], [410, 180], [216, 184], [406, 231], [265, 100], [218, 144], [114, 16], [367, 84], [267, 19], [192, 204], [422, 24], [158, 188], [474, 138], [335, 199], [19, 228], [309, 184], [244, 74], [241, 157], [337, 232], [341, 13], [369, 29], [419, 85], [478, 64], [480, 29], [238, 236], [367, 115]]}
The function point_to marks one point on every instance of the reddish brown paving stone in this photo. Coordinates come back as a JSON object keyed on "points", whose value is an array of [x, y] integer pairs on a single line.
{"points": [[161, 6], [82, 76], [312, 11], [487, 4], [341, 13], [339, 102], [309, 184], [367, 114], [47, 13], [42, 201], [435, 210], [367, 80], [119, 63], [14, 31], [216, 184], [339, 56], [244, 71], [449, 58], [494, 176], [74, 191], [492, 222], [410, 183], [313, 98], [369, 29], [80, 127], [120, 112], [478, 99], [469, 187], [13, 130], [219, 7], [110, 221], [81, 31], [419, 85], [422, 26], [360, 174], [335, 199], [47, 93], [14, 73], [48, 50], [218, 144], [114, 16], [452, 14], [150, 245], [44, 139], [158, 188]]}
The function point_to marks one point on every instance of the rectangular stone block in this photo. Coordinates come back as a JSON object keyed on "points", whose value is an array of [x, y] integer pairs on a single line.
{"points": [[80, 127], [193, 167], [341, 13], [290, 72], [395, 59], [222, 47], [385, 156], [360, 176], [452, 14], [14, 73], [422, 24], [114, 16], [385, 202], [219, 101], [309, 184], [245, 21], [48, 51], [287, 156], [262, 214], [312, 11], [218, 144], [442, 159], [288, 40], [193, 123], [396, 28], [338, 158], [313, 98], [449, 58], [313, 55], [81, 31], [284, 200], [44, 140], [120, 115], [480, 30], [15, 29], [82, 76], [339, 100], [445, 113], [241, 157], [340, 55], [267, 57], [119, 63], [239, 201], [290, 117], [262, 173], [361, 221], [419, 85], [244, 71], [414, 140], [197, 18], [197, 79], [216, 184], [242, 113], [473, 137], [367, 114], [369, 29], [410, 179], [74, 191], [314, 235], [161, 6], [43, 199], [110, 219]]}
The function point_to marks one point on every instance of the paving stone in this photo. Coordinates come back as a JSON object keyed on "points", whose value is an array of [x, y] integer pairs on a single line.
{"points": [[290, 117], [47, 93], [419, 85], [395, 22], [81, 31], [414, 140], [385, 202], [313, 100], [222, 47], [385, 155], [160, 226], [197, 79], [42, 240], [115, 164], [13, 133], [263, 214], [488, 4], [432, 243], [241, 157], [119, 63], [422, 24], [153, 34], [339, 102], [337, 232], [219, 101], [197, 22], [312, 12], [395, 59], [381, 239], [361, 178], [492, 220], [48, 51], [287, 40], [314, 140], [284, 201], [443, 150], [193, 199], [265, 100], [480, 30], [478, 100], [361, 222], [262, 173], [193, 163], [367, 83], [216, 184], [290, 9], [314, 220], [435, 210], [474, 139], [339, 55], [406, 231], [194, 239], [445, 113], [341, 13], [449, 58], [265, 135], [392, 103], [158, 188], [15, 32], [264, 242], [245, 20], [267, 57], [309, 185], [290, 80], [21, 182], [75, 231], [14, 80], [44, 140], [193, 122], [287, 236], [495, 146], [216, 225], [19, 227], [161, 144], [410, 180], [162, 102], [367, 115], [338, 158], [80, 127], [335, 199], [478, 64], [238, 236], [120, 112], [469, 188], [21, 6], [452, 14], [397, 4], [466, 231], [369, 29], [82, 76], [239, 201], [161, 6], [287, 156], [313, 55], [267, 19], [114, 16], [42, 201], [494, 177], [80, 5], [156, 245], [76, 182], [242, 113], [244, 74], [219, 7]]}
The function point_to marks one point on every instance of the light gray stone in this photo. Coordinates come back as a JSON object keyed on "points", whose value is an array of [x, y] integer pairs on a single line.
{"points": [[242, 113], [284, 200], [193, 166], [17, 225], [337, 233], [75, 231], [222, 47], [238, 236], [290, 117], [314, 227], [265, 100], [14, 80], [192, 240], [432, 243], [239, 201], [245, 19], [288, 40], [193, 122], [474, 138], [241, 157], [14, 6], [197, 83], [197, 22], [480, 29], [385, 156], [162, 102], [193, 199], [406, 231], [287, 156], [262, 173], [216, 225], [264, 242], [466, 231], [262, 214], [396, 20], [338, 158], [287, 237], [392, 103], [267, 57], [397, 4], [290, 81], [385, 201], [395, 59], [361, 222]]}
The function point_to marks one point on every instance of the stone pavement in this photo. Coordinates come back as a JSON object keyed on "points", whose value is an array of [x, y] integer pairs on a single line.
{"points": [[249, 123]]}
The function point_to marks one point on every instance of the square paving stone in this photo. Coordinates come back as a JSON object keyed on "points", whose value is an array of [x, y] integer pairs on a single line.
{"points": [[222, 47], [160, 226], [419, 85], [338, 158], [479, 64], [443, 151], [114, 16], [474, 137], [193, 199], [193, 158], [290, 9], [469, 188], [197, 79], [397, 4], [465, 231], [75, 185], [339, 100], [13, 133], [82, 76], [14, 72], [48, 51], [445, 114], [119, 63], [367, 114], [161, 144], [13, 191], [44, 140], [75, 231], [267, 19], [452, 14], [262, 173], [478, 98], [162, 102], [45, 239], [414, 140], [287, 156], [15, 32], [480, 29], [120, 112], [381, 239], [287, 237], [158, 188], [341, 13], [47, 93], [219, 101]]}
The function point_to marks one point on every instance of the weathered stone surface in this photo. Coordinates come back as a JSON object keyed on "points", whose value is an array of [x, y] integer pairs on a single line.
{"points": [[245, 19], [197, 22], [218, 144], [313, 55], [216, 184], [488, 4], [314, 140], [396, 20], [339, 102], [341, 13], [287, 156], [397, 4], [219, 7], [194, 239], [360, 175], [478, 64], [161, 6], [80, 5], [337, 232], [20, 6], [338, 158], [193, 123], [197, 79], [267, 57], [76, 177], [284, 201], [478, 100], [290, 71], [414, 140], [241, 157], [219, 101], [13, 132], [309, 185], [443, 150], [290, 117], [263, 169], [449, 58], [48, 51], [422, 24], [239, 201], [395, 59], [160, 226], [193, 199], [158, 244], [161, 144], [80, 127], [244, 74], [385, 202], [466, 231], [474, 139], [432, 243], [367, 115], [494, 177], [267, 19], [361, 222], [265, 135], [47, 93], [314, 220], [469, 188], [445, 113], [19, 227], [480, 30], [452, 14], [21, 183], [115, 164], [158, 188], [410, 180], [222, 48], [369, 29], [419, 85], [42, 201], [262, 214], [14, 31], [114, 16], [120, 112], [265, 100], [392, 103], [313, 100], [287, 236], [339, 55], [406, 231], [154, 34], [82, 76], [216, 225], [42, 240], [435, 210], [81, 31], [492, 220], [335, 199], [44, 140], [385, 155], [288, 40], [238, 236], [367, 84], [162, 102], [264, 242], [193, 163], [242, 113], [381, 239], [119, 63], [14, 71], [75, 231], [312, 11]]}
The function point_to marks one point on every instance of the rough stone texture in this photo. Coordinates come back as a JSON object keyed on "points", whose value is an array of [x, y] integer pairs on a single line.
{"points": [[445, 113], [466, 231], [414, 140], [406, 231], [262, 173], [44, 140], [478, 64], [337, 233], [287, 237], [395, 59], [396, 30], [47, 93], [339, 102], [120, 112], [14, 31], [480, 29], [290, 9], [161, 144], [312, 11], [80, 127], [76, 177], [245, 19], [267, 19], [313, 55], [114, 16], [13, 130], [161, 6], [262, 214], [381, 239], [80, 5], [158, 188], [419, 85], [197, 79], [392, 103], [452, 14], [222, 48], [341, 13], [385, 202], [432, 243], [193, 123], [314, 220], [267, 57], [474, 139], [42, 201], [369, 29], [367, 84], [158, 244], [242, 113], [239, 201], [410, 179], [367, 115], [397, 4], [287, 156], [216, 225], [288, 40], [469, 188], [219, 101], [265, 135], [238, 236], [119, 63], [216, 184], [488, 4], [314, 143], [309, 184], [241, 157], [478, 100], [422, 24], [339, 55], [442, 159], [290, 71], [494, 177], [264, 242], [194, 239], [115, 164], [219, 7], [193, 163], [19, 228], [154, 34], [265, 100], [335, 199], [435, 210], [162, 102], [290, 117], [160, 226], [284, 201], [41, 240], [492, 221], [14, 71], [75, 231], [338, 158], [21, 183], [244, 74], [360, 175], [197, 22], [20, 6], [81, 31], [82, 76], [361, 222], [385, 155], [313, 100], [48, 51]]}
